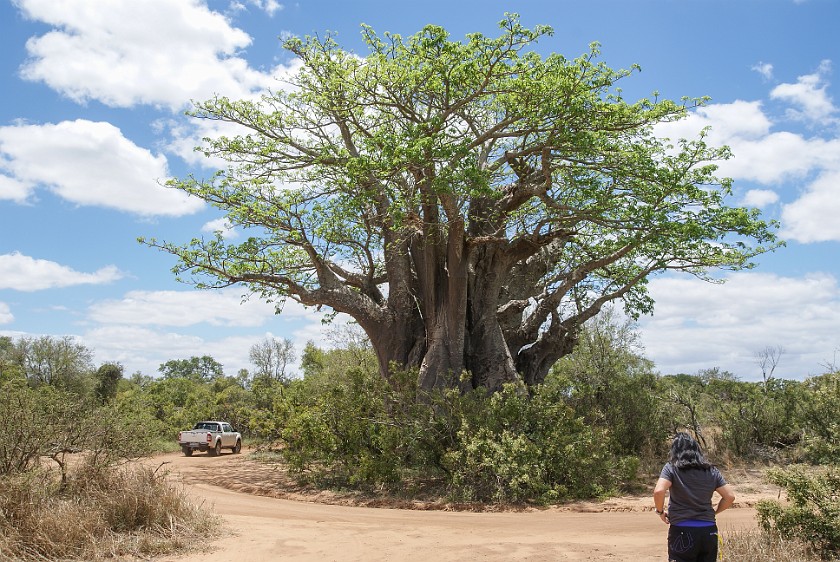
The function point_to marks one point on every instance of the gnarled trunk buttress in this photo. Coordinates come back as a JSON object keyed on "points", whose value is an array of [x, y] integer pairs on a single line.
{"points": [[487, 356], [442, 271]]}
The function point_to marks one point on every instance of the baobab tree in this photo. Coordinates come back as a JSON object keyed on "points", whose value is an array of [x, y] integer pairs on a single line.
{"points": [[470, 204]]}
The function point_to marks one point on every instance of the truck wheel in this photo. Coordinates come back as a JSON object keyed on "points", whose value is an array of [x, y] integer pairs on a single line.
{"points": [[217, 450], [187, 451], [237, 447]]}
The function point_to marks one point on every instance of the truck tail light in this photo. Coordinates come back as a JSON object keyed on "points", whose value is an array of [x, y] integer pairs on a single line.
{"points": [[209, 437], [179, 436]]}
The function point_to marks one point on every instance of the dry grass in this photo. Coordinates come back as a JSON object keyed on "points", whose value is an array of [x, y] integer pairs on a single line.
{"points": [[101, 513], [756, 546]]}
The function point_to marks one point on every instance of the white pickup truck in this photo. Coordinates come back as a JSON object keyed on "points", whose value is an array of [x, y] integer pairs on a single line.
{"points": [[210, 436]]}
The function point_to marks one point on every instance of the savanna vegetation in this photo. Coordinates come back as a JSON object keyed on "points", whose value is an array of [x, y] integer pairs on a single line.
{"points": [[66, 490], [597, 426], [474, 207]]}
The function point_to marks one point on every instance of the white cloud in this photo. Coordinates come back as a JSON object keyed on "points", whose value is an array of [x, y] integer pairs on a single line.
{"points": [[6, 316], [12, 188], [736, 122], [809, 95], [145, 348], [188, 308], [157, 52], [758, 154], [765, 69], [24, 273], [270, 7], [760, 198], [89, 163], [185, 136], [697, 325], [221, 225], [813, 217]]}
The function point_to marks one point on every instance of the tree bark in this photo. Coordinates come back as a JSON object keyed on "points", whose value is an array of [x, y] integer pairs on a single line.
{"points": [[487, 356]]}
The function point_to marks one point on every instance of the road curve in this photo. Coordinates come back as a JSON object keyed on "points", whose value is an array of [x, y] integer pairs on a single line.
{"points": [[257, 528]]}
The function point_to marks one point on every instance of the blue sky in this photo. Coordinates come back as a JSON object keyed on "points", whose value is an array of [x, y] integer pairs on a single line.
{"points": [[91, 120]]}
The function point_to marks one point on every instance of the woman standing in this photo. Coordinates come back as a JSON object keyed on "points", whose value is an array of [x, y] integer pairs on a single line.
{"points": [[690, 481]]}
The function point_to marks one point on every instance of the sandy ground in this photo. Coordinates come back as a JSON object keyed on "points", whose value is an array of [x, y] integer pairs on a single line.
{"points": [[261, 523]]}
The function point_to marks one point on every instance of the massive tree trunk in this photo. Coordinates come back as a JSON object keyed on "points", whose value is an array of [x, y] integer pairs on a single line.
{"points": [[442, 272], [487, 356]]}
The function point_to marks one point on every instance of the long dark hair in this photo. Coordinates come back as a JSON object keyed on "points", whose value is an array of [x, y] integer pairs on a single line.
{"points": [[686, 453]]}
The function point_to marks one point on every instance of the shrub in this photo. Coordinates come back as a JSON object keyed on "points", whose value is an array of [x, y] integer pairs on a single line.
{"points": [[812, 513], [533, 448], [821, 414], [100, 513]]}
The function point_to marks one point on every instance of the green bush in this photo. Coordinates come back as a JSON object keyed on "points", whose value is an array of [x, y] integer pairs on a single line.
{"points": [[821, 418], [531, 448], [359, 430], [812, 513]]}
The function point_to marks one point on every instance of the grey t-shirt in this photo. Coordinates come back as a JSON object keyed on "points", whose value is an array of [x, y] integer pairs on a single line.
{"points": [[691, 492]]}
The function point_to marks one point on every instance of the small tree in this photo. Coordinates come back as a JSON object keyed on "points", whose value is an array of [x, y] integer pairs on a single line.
{"points": [[59, 362], [199, 369], [108, 377], [272, 357], [768, 359]]}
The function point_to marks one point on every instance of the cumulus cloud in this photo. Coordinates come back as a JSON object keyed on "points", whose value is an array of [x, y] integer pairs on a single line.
{"points": [[222, 226], [760, 198], [12, 188], [188, 308], [759, 154], [776, 158], [813, 217], [88, 163], [25, 273], [809, 95], [6, 316], [144, 348], [156, 52], [270, 7], [185, 136], [697, 325]]}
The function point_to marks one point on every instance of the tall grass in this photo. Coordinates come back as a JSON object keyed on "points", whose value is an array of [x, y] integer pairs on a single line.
{"points": [[757, 546], [100, 513]]}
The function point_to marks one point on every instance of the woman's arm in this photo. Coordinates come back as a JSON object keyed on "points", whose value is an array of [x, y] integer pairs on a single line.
{"points": [[727, 497], [662, 486]]}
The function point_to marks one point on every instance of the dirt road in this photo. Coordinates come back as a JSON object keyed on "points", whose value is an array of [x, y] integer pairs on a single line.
{"points": [[265, 528]]}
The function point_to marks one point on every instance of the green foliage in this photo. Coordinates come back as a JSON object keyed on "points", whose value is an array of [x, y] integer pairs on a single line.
{"points": [[478, 165], [812, 513], [54, 423], [345, 421], [201, 369], [821, 418], [58, 362], [516, 448], [108, 377], [756, 417], [346, 425], [734, 419], [612, 386]]}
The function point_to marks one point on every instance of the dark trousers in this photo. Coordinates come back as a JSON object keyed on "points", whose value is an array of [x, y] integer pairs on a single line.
{"points": [[692, 544]]}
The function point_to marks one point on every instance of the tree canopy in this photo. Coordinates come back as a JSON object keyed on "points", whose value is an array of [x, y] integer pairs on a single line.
{"points": [[469, 203]]}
